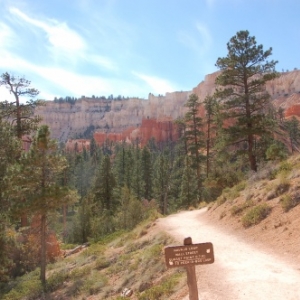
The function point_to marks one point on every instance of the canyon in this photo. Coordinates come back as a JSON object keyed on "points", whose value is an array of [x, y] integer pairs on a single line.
{"points": [[136, 119]]}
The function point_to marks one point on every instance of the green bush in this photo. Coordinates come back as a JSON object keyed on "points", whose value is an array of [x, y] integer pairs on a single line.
{"points": [[230, 193], [276, 151], [288, 202], [240, 186], [161, 291], [56, 280], [238, 209], [256, 215], [26, 289]]}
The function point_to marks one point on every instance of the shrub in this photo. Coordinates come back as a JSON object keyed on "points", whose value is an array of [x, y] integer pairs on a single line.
{"points": [[285, 166], [276, 151], [161, 291], [26, 289], [101, 263], [231, 193], [240, 186], [221, 199], [56, 280], [282, 187], [256, 215], [288, 202], [238, 209], [277, 189]]}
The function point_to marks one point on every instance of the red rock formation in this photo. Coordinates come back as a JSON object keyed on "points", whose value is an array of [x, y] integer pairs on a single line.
{"points": [[159, 130], [153, 117], [293, 111]]}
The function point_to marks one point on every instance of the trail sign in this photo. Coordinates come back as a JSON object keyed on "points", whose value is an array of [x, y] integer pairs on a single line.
{"points": [[193, 254]]}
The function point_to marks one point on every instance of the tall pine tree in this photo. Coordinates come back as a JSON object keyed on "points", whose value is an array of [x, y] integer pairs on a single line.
{"points": [[241, 89], [194, 135], [35, 178]]}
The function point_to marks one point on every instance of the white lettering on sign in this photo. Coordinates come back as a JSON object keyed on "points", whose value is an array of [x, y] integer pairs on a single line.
{"points": [[189, 255]]}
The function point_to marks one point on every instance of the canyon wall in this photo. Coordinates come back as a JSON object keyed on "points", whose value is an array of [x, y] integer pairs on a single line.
{"points": [[68, 120], [134, 118]]}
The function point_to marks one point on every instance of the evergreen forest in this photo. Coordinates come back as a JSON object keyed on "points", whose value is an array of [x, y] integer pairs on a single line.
{"points": [[81, 197]]}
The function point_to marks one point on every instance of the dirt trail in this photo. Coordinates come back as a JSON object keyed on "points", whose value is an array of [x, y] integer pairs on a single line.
{"points": [[241, 271]]}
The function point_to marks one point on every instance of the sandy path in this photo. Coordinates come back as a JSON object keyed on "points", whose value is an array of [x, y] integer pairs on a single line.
{"points": [[240, 271]]}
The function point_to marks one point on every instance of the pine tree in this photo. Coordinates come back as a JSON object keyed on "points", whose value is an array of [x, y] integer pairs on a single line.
{"points": [[146, 173], [36, 179], [10, 151], [194, 135], [137, 180], [293, 128], [104, 187], [176, 176], [18, 113], [210, 105], [162, 173], [241, 90], [189, 187]]}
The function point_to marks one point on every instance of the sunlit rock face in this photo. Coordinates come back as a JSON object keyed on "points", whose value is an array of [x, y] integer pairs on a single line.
{"points": [[136, 119], [108, 116]]}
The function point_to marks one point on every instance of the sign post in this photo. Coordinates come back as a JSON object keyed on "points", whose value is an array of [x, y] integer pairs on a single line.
{"points": [[188, 256]]}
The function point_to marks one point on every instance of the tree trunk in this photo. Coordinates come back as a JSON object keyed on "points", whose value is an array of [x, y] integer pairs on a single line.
{"points": [[43, 251], [251, 156], [64, 221]]}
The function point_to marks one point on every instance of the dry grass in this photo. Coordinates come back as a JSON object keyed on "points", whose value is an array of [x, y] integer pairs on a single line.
{"points": [[134, 259]]}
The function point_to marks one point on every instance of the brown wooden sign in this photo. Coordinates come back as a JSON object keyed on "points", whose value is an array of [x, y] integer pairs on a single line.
{"points": [[194, 254]]}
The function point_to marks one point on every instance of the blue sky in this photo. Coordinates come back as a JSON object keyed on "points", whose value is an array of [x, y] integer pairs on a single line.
{"points": [[135, 47]]}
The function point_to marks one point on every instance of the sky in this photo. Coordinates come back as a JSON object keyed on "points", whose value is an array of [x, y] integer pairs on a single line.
{"points": [[135, 47]]}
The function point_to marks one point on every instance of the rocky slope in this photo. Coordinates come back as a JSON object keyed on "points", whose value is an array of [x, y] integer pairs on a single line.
{"points": [[135, 118]]}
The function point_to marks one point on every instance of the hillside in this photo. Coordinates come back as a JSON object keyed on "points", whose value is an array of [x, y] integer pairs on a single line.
{"points": [[276, 186], [135, 259]]}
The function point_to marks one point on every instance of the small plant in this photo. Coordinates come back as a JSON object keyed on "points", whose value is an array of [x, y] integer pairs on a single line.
{"points": [[238, 209], [282, 187], [288, 202], [240, 186], [285, 167], [80, 272], [256, 215], [27, 288], [101, 263], [163, 290], [221, 199], [276, 189], [64, 246], [56, 280]]}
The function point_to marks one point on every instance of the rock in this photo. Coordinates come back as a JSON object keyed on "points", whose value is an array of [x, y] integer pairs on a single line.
{"points": [[140, 119], [126, 293]]}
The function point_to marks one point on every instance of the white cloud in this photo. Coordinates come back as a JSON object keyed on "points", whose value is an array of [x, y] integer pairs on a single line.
{"points": [[65, 43], [157, 85], [102, 61], [200, 42], [205, 36], [60, 36], [7, 36]]}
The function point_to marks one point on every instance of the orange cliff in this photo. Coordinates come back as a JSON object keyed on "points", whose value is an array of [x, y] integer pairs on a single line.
{"points": [[136, 119], [160, 130]]}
